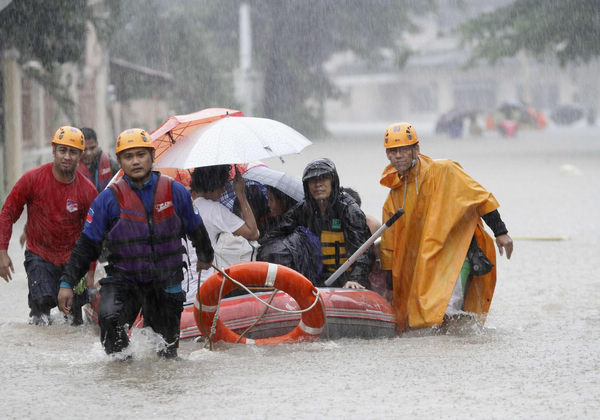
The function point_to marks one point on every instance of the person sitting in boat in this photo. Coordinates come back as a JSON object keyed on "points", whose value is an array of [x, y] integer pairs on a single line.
{"points": [[142, 217], [208, 184], [278, 203], [433, 251], [335, 218]]}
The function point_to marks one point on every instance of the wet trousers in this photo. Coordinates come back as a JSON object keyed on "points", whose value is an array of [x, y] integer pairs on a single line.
{"points": [[120, 304], [42, 280]]}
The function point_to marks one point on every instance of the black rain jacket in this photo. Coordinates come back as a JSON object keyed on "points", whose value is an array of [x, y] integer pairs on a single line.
{"points": [[341, 206]]}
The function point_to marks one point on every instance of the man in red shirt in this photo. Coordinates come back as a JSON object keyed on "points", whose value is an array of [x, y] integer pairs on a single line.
{"points": [[58, 198]]}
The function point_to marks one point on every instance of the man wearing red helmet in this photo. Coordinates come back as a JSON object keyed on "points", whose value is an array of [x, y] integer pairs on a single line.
{"points": [[141, 219], [440, 261], [57, 198]]}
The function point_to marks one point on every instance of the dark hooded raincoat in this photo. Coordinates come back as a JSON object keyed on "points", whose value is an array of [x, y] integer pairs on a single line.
{"points": [[342, 213]]}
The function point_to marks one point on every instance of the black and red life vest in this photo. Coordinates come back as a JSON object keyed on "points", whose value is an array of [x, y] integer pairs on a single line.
{"points": [[146, 247]]}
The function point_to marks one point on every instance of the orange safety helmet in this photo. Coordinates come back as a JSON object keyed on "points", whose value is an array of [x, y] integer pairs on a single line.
{"points": [[132, 138], [69, 136], [400, 134]]}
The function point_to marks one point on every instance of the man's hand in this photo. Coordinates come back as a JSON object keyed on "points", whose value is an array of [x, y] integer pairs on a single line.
{"points": [[238, 184], [65, 299], [6, 266], [505, 243], [353, 285], [22, 239]]}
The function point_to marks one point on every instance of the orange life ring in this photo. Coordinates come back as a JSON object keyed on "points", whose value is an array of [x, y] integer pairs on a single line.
{"points": [[258, 273]]}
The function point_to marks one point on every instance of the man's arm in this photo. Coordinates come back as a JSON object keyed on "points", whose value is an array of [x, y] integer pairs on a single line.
{"points": [[204, 250], [85, 252], [193, 226], [249, 229], [11, 211], [503, 240]]}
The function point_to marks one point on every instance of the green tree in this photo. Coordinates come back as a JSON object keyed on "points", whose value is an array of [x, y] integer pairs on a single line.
{"points": [[567, 29], [298, 36], [178, 37], [51, 32], [197, 42]]}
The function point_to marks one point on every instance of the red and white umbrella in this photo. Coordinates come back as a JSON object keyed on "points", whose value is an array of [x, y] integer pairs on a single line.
{"points": [[233, 140], [178, 126]]}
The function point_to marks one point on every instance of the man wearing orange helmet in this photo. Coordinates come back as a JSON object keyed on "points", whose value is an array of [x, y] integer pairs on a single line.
{"points": [[440, 259], [57, 199], [141, 219]]}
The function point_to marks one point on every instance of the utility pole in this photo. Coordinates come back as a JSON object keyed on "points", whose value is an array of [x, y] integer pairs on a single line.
{"points": [[245, 85]]}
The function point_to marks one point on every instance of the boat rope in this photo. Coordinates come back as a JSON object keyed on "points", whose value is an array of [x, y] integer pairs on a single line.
{"points": [[326, 324], [204, 332], [213, 327], [300, 311], [259, 318]]}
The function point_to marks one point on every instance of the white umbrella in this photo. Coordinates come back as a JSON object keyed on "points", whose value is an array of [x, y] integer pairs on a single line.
{"points": [[280, 180], [233, 140]]}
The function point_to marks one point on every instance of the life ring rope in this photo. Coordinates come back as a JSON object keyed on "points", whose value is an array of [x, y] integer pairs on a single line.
{"points": [[269, 279], [213, 327], [310, 327]]}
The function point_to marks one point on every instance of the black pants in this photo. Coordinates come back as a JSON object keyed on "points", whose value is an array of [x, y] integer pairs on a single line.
{"points": [[120, 303], [42, 279]]}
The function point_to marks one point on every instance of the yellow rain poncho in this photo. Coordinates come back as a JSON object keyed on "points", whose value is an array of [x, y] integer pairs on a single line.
{"points": [[426, 248]]}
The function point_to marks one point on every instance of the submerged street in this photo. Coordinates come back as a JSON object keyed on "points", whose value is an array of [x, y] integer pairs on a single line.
{"points": [[538, 355]]}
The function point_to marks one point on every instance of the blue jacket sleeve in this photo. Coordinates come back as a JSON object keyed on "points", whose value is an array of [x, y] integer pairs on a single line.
{"points": [[182, 201], [192, 223], [103, 209]]}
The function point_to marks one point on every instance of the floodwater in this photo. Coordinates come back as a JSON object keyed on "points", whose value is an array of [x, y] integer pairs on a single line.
{"points": [[537, 357]]}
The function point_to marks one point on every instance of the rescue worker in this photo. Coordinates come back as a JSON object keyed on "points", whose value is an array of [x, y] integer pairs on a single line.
{"points": [[335, 218], [57, 199], [143, 218], [426, 249], [95, 164]]}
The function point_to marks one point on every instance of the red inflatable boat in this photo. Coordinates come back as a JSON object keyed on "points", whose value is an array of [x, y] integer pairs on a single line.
{"points": [[330, 313]]}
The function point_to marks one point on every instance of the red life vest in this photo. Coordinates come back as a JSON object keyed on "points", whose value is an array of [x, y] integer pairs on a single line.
{"points": [[103, 173]]}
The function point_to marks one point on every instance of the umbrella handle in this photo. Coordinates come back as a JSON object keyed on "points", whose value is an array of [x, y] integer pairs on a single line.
{"points": [[364, 247]]}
